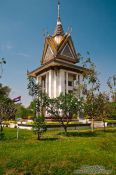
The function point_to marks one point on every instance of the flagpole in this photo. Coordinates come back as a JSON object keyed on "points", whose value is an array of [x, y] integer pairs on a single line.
{"points": [[17, 131], [15, 100]]}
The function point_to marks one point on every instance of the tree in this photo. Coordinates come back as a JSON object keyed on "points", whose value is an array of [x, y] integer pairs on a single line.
{"points": [[32, 107], [40, 98], [7, 106], [104, 109], [7, 109], [113, 112], [40, 101], [23, 112], [90, 87], [112, 86], [63, 108], [39, 126], [4, 91], [91, 108]]}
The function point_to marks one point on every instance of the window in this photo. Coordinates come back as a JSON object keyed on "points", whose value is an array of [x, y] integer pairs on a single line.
{"points": [[70, 83], [70, 91]]}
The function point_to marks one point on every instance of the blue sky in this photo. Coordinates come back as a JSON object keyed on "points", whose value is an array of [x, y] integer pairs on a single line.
{"points": [[23, 23]]}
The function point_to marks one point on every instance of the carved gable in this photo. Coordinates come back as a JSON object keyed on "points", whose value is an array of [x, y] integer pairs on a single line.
{"points": [[63, 50], [67, 51], [49, 54]]}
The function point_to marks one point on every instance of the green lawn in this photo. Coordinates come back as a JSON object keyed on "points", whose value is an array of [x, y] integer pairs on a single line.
{"points": [[56, 154]]}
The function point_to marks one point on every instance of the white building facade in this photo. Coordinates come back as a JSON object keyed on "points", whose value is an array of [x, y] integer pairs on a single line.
{"points": [[59, 72], [54, 81]]}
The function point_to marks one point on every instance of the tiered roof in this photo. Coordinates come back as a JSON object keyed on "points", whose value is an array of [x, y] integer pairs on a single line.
{"points": [[59, 51]]}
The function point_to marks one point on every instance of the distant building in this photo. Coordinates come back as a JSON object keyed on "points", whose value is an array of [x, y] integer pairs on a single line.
{"points": [[58, 72]]}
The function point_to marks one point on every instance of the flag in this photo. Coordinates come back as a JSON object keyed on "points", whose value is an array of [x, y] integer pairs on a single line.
{"points": [[17, 99]]}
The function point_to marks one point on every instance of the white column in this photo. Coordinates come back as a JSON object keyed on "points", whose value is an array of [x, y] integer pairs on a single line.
{"points": [[67, 82], [55, 83], [61, 82], [51, 88], [47, 82], [39, 80]]}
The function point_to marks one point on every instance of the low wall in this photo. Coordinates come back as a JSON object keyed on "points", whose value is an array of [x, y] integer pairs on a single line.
{"points": [[99, 124], [52, 126]]}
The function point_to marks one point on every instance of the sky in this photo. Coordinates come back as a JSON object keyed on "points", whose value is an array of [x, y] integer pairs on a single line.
{"points": [[24, 23]]}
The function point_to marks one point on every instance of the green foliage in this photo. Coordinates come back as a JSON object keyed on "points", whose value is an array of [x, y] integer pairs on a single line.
{"points": [[4, 91], [90, 87], [7, 106], [32, 108], [104, 107], [39, 126], [40, 98], [113, 109], [90, 105], [63, 108], [4, 99], [97, 106], [90, 76], [23, 112], [37, 106]]}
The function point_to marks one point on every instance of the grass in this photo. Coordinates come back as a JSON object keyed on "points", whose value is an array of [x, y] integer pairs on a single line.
{"points": [[56, 154]]}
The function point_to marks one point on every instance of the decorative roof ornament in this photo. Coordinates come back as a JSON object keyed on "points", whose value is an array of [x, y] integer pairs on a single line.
{"points": [[59, 28]]}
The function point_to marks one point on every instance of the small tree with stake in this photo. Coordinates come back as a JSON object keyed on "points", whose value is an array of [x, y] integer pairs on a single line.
{"points": [[90, 87], [63, 107], [90, 108], [39, 126], [103, 107], [40, 98]]}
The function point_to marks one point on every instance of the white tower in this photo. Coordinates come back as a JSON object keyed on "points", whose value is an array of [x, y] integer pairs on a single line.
{"points": [[58, 71]]}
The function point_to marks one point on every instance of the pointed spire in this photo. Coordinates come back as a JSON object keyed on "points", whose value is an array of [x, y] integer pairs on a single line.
{"points": [[58, 8], [59, 28]]}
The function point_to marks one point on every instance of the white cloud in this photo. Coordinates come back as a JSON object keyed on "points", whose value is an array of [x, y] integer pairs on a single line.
{"points": [[23, 54], [9, 47], [6, 46]]}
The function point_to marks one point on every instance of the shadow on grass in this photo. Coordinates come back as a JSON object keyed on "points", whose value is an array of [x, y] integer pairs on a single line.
{"points": [[78, 134], [110, 131], [49, 139], [107, 130]]}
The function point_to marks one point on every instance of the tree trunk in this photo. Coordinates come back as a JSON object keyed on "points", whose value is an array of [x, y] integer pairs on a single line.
{"points": [[92, 124], [1, 128], [1, 131], [38, 136], [65, 129]]}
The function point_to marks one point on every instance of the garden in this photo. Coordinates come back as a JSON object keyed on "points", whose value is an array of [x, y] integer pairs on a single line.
{"points": [[52, 147], [58, 154]]}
